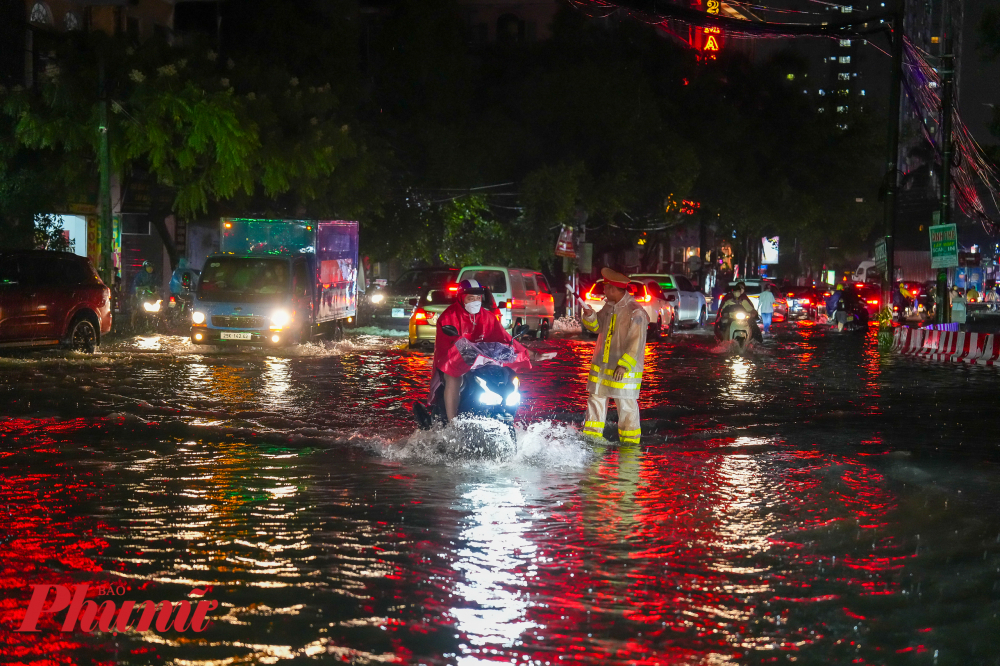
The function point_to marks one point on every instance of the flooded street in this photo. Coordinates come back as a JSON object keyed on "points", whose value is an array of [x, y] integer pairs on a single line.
{"points": [[812, 502]]}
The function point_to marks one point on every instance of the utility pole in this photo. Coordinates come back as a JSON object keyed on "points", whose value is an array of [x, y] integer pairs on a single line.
{"points": [[947, 148], [107, 262], [892, 156]]}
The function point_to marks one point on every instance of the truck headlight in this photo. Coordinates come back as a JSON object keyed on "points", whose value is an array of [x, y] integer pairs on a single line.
{"points": [[378, 298], [280, 318], [198, 317]]}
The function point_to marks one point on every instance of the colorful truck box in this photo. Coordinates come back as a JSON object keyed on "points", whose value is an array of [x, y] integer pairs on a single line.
{"points": [[277, 282]]}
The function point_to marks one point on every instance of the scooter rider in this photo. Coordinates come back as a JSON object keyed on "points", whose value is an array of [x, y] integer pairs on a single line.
{"points": [[736, 296], [476, 323], [144, 279]]}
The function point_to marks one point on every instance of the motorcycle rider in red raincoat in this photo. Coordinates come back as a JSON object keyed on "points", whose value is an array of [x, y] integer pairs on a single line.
{"points": [[475, 323]]}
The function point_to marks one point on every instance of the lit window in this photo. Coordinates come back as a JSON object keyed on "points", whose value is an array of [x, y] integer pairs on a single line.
{"points": [[822, 92], [844, 60], [932, 84], [821, 109], [844, 76], [845, 42], [847, 9], [862, 92], [843, 127], [72, 21], [40, 13], [843, 92], [841, 109], [790, 77]]}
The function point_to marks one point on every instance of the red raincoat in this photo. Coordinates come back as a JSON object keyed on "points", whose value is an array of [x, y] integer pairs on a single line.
{"points": [[483, 327]]}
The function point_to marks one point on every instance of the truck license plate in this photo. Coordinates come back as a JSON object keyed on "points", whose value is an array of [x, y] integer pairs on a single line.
{"points": [[398, 312], [230, 335]]}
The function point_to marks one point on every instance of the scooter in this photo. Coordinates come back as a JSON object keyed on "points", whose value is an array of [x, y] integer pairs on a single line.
{"points": [[740, 327], [148, 316], [490, 392]]}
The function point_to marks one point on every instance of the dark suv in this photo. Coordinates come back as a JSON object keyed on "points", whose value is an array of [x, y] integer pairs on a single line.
{"points": [[52, 298], [392, 306]]}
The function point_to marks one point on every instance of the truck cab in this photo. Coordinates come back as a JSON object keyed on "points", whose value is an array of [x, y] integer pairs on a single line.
{"points": [[256, 299], [277, 282]]}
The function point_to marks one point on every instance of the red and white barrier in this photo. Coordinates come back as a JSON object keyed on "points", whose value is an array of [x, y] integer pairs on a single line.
{"points": [[953, 346]]}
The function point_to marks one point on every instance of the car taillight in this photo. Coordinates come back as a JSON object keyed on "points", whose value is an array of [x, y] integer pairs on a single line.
{"points": [[873, 301], [508, 304], [804, 301], [453, 287], [420, 314]]}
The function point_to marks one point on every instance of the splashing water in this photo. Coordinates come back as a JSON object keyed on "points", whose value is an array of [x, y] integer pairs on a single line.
{"points": [[482, 441]]}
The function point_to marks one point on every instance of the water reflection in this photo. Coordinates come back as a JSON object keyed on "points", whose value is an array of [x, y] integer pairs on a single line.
{"points": [[492, 582]]}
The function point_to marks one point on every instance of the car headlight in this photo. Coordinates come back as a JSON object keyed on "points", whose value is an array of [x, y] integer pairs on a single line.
{"points": [[513, 399], [198, 317], [378, 298], [741, 315], [151, 307], [280, 318]]}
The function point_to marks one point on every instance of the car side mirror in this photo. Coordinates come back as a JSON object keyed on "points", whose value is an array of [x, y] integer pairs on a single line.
{"points": [[413, 301], [450, 330]]}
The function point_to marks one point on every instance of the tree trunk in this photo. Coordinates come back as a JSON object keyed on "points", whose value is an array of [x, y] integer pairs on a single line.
{"points": [[159, 221]]}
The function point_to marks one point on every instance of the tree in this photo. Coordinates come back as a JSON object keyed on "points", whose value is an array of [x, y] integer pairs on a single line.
{"points": [[207, 130], [49, 234]]}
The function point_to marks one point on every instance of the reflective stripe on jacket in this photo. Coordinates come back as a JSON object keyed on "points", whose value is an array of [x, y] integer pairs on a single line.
{"points": [[621, 340]]}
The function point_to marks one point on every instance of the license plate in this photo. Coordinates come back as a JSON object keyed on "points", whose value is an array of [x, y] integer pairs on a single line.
{"points": [[230, 335], [399, 312]]}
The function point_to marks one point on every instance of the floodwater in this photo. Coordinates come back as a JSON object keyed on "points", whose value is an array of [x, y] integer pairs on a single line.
{"points": [[811, 501]]}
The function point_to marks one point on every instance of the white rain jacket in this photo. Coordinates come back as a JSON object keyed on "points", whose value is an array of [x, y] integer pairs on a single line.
{"points": [[621, 340]]}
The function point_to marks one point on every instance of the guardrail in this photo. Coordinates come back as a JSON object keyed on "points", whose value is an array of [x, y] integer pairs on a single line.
{"points": [[952, 346]]}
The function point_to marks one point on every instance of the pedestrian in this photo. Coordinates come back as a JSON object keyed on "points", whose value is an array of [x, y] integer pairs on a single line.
{"points": [[765, 307], [957, 306], [616, 367]]}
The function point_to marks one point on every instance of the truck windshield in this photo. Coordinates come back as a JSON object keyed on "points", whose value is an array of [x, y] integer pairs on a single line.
{"points": [[243, 280]]}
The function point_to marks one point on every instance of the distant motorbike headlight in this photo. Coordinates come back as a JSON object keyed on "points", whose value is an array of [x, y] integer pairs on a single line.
{"points": [[378, 298], [513, 399], [198, 317], [151, 307], [741, 315], [280, 318]]}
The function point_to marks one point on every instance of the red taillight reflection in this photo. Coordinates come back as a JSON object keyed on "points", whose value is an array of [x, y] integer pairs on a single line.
{"points": [[420, 314]]}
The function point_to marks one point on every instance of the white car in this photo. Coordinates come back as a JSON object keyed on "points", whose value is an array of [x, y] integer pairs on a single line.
{"points": [[652, 300], [689, 303]]}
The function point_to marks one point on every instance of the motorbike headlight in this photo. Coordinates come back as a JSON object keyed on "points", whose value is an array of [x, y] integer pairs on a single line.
{"points": [[488, 397], [741, 315], [280, 318], [378, 298], [198, 317], [513, 399], [151, 307]]}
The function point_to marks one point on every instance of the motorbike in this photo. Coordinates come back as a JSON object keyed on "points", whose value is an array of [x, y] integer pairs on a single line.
{"points": [[737, 325], [490, 391], [147, 316], [851, 316]]}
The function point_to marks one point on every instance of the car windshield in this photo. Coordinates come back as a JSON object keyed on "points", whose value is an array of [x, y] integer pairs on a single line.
{"points": [[438, 297], [243, 280], [752, 289], [597, 291], [495, 280], [665, 281], [413, 281]]}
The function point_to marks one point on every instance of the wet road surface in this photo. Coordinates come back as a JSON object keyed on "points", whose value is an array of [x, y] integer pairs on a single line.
{"points": [[810, 502]]}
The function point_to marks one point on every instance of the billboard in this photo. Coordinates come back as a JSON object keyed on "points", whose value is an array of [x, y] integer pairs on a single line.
{"points": [[770, 247]]}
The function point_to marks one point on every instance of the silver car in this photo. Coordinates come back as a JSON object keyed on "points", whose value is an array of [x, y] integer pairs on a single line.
{"points": [[689, 303]]}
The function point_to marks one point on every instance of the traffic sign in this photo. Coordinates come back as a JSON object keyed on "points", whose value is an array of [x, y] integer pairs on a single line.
{"points": [[944, 246]]}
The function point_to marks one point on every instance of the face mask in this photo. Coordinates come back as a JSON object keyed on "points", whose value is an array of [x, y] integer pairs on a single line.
{"points": [[474, 307]]}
